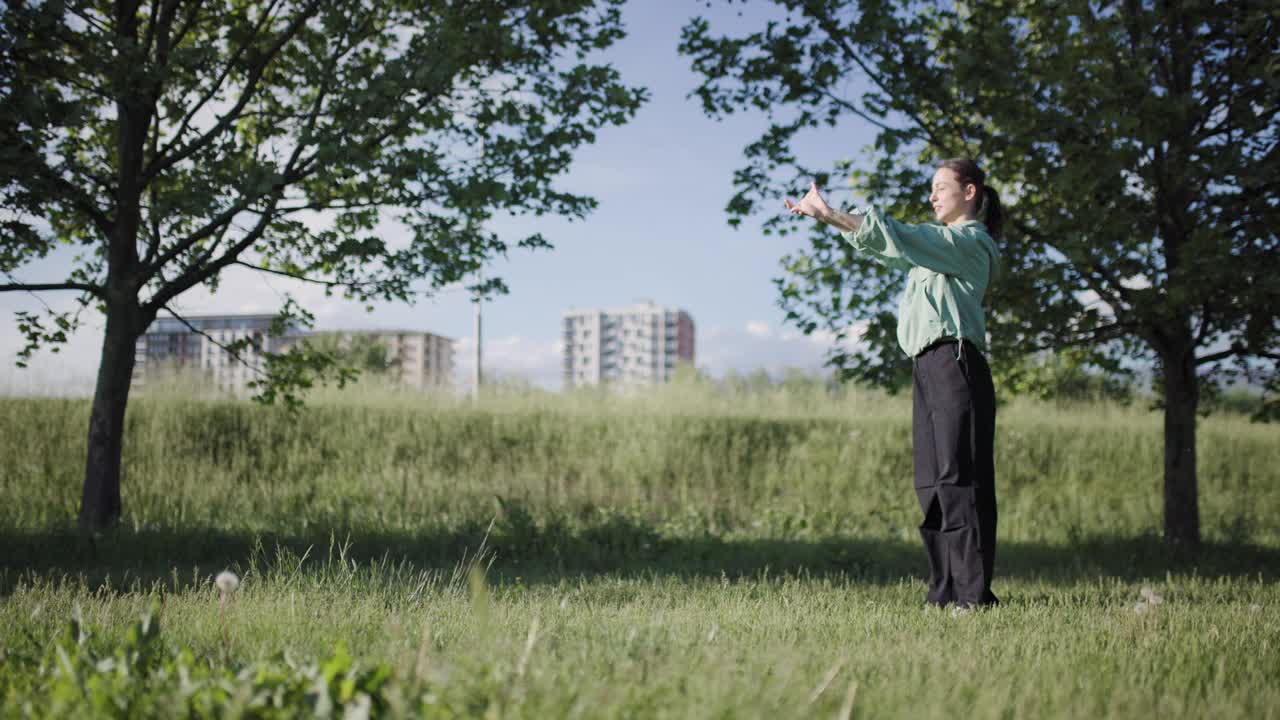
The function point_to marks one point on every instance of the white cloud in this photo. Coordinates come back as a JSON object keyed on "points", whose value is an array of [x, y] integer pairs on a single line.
{"points": [[828, 338], [757, 328], [745, 350]]}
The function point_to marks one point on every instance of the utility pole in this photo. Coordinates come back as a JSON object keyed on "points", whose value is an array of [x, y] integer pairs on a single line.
{"points": [[477, 373]]}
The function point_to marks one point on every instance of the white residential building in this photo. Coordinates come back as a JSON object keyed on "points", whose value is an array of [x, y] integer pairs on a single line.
{"points": [[633, 345]]}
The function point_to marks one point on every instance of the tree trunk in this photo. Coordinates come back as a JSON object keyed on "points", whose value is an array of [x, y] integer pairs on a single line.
{"points": [[1181, 399], [100, 503]]}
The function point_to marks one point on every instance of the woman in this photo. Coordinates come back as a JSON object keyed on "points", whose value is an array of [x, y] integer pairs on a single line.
{"points": [[940, 325]]}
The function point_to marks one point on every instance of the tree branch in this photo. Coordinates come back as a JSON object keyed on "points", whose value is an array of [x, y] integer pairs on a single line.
{"points": [[38, 287], [220, 221], [217, 83], [230, 351], [150, 35], [1103, 333], [1118, 300], [317, 281], [91, 21], [1236, 350], [841, 102], [200, 272], [1206, 311], [282, 273], [74, 195], [832, 30], [290, 176], [163, 37], [286, 209], [165, 160], [188, 22]]}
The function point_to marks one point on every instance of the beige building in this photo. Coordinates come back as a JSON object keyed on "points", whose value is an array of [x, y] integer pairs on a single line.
{"points": [[418, 359]]}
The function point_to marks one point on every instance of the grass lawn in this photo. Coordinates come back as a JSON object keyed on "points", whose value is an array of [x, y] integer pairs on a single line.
{"points": [[535, 557]]}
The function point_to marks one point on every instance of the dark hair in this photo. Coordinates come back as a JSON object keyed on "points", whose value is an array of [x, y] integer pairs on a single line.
{"points": [[989, 208]]}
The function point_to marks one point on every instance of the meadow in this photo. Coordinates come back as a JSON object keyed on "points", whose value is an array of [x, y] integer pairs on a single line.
{"points": [[683, 552]]}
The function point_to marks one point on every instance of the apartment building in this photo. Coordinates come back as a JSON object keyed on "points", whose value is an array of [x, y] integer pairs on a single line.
{"points": [[420, 360], [195, 345], [417, 359], [635, 345]]}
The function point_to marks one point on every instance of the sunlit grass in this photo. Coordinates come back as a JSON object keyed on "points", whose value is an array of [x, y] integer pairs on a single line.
{"points": [[687, 552]]}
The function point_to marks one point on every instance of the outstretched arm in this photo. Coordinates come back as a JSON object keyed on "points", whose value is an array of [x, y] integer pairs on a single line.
{"points": [[899, 245], [815, 207]]}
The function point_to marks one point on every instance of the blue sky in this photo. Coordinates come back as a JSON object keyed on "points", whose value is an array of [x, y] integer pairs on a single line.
{"points": [[659, 233]]}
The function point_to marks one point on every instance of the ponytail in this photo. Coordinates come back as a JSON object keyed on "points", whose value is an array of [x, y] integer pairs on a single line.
{"points": [[989, 207], [992, 212]]}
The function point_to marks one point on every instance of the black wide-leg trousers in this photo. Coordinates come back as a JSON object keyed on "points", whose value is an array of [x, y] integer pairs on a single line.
{"points": [[953, 440]]}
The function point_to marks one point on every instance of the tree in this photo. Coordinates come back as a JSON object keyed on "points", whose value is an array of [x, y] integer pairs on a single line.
{"points": [[1136, 143], [170, 140], [1062, 376], [364, 352]]}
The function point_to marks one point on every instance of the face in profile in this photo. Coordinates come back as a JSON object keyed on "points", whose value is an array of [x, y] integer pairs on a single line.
{"points": [[950, 200]]}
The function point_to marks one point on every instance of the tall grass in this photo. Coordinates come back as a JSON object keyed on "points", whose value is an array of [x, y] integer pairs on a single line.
{"points": [[769, 464], [686, 552]]}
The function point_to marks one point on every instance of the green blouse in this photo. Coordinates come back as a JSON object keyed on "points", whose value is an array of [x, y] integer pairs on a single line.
{"points": [[950, 267]]}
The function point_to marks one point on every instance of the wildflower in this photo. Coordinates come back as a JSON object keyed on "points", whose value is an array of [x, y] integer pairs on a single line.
{"points": [[1140, 607], [1150, 596], [227, 582], [359, 707]]}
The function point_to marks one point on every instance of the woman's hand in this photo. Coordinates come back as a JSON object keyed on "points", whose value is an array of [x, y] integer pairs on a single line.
{"points": [[814, 206], [811, 204]]}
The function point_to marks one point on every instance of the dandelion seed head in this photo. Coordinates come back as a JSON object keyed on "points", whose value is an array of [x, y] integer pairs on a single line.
{"points": [[227, 582], [359, 707]]}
